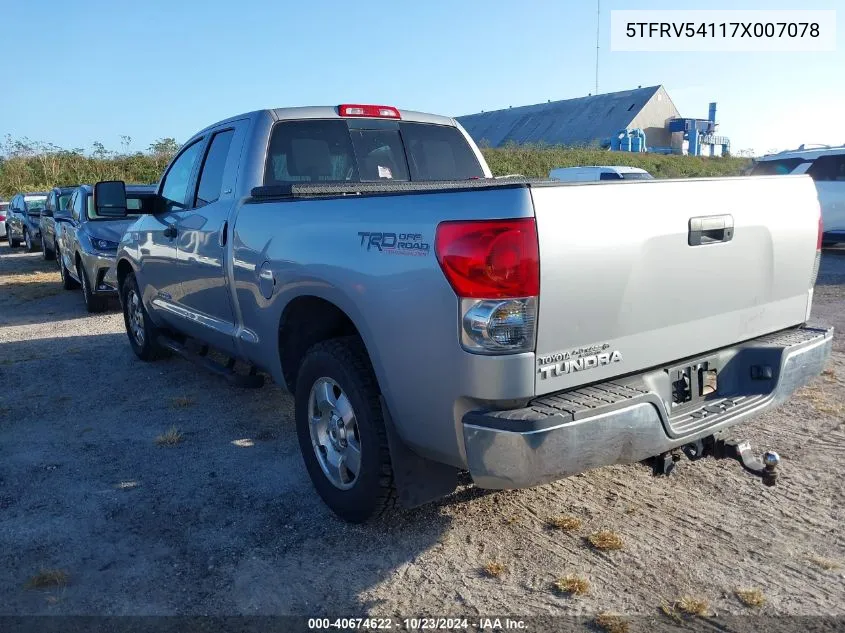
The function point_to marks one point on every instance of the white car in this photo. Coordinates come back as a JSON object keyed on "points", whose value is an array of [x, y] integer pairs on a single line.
{"points": [[4, 207], [599, 172], [826, 166]]}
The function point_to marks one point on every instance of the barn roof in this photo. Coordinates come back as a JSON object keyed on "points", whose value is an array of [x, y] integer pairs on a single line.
{"points": [[570, 122]]}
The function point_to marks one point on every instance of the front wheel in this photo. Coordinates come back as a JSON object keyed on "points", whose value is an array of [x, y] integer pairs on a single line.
{"points": [[340, 426], [93, 303], [27, 239], [46, 253], [68, 282], [140, 329]]}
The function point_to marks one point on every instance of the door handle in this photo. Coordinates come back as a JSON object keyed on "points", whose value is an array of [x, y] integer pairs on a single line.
{"points": [[170, 231], [710, 229], [223, 231]]}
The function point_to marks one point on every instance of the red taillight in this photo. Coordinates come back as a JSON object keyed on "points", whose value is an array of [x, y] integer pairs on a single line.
{"points": [[378, 111], [2, 218], [490, 259]]}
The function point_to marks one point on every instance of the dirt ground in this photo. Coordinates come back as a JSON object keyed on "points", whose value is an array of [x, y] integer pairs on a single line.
{"points": [[226, 522]]}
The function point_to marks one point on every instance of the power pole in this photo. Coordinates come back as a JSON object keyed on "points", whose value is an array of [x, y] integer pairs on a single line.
{"points": [[598, 31]]}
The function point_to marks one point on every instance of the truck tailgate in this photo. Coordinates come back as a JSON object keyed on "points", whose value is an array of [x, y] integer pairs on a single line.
{"points": [[622, 289]]}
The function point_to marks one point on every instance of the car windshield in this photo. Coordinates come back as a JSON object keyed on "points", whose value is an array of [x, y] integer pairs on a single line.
{"points": [[35, 204], [338, 150], [136, 204], [64, 199]]}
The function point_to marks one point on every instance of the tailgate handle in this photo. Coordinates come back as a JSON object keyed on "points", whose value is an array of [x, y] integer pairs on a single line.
{"points": [[710, 229]]}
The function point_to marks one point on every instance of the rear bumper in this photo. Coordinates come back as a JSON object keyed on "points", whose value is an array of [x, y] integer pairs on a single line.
{"points": [[629, 420]]}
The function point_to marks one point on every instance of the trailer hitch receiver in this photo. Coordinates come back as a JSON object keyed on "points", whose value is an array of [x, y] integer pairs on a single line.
{"points": [[764, 467]]}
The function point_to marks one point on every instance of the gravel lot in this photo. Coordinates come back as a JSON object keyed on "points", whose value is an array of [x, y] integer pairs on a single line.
{"points": [[226, 522]]}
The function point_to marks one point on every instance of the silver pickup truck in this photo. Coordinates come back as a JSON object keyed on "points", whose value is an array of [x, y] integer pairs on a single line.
{"points": [[432, 320]]}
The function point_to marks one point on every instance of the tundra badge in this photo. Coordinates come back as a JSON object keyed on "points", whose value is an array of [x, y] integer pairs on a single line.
{"points": [[567, 363]]}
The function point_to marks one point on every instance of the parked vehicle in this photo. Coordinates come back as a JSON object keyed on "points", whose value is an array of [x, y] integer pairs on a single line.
{"points": [[55, 212], [88, 241], [4, 208], [22, 219], [521, 331], [826, 166], [596, 173]]}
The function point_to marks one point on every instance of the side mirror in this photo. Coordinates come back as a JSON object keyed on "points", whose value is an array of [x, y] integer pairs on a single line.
{"points": [[110, 198]]}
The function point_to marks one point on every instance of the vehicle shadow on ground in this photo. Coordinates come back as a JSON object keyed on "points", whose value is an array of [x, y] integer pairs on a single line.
{"points": [[142, 527]]}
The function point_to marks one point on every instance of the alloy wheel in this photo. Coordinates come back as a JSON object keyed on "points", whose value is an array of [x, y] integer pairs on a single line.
{"points": [[135, 313], [334, 433]]}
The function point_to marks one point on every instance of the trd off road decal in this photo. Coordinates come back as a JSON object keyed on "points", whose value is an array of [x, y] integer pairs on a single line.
{"points": [[581, 359], [395, 243]]}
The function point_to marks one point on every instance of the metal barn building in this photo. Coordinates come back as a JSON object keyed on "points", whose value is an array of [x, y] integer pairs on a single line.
{"points": [[590, 121]]}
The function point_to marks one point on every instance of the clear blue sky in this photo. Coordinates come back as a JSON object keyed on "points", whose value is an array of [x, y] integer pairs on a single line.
{"points": [[168, 68]]}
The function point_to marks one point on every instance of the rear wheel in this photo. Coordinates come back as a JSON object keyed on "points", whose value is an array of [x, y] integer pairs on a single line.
{"points": [[140, 329], [13, 242], [93, 303], [340, 426]]}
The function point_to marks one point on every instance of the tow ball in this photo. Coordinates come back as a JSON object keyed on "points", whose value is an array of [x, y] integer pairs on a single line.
{"points": [[764, 467]]}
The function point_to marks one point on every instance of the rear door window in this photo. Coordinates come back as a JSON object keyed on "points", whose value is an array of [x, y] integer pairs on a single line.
{"points": [[211, 177]]}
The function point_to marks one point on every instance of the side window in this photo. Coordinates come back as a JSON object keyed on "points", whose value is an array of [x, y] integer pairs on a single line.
{"points": [[49, 205], [178, 178], [609, 175], [74, 206], [828, 169], [211, 176]]}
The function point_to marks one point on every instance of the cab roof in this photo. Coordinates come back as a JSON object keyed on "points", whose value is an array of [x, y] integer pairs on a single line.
{"points": [[805, 152]]}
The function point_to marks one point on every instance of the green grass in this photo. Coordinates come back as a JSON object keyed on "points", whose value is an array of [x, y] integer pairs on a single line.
{"points": [[536, 161], [29, 166]]}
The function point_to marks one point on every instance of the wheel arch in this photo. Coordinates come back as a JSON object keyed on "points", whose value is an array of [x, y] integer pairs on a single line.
{"points": [[315, 314]]}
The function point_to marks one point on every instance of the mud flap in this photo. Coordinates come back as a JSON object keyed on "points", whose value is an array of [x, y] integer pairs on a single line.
{"points": [[418, 480]]}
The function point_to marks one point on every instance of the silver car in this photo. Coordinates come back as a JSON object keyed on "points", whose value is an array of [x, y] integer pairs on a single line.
{"points": [[87, 243]]}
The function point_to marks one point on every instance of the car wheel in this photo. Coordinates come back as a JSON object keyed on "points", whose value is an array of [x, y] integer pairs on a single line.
{"points": [[93, 303], [140, 329], [68, 282], [340, 426], [46, 253], [13, 242]]}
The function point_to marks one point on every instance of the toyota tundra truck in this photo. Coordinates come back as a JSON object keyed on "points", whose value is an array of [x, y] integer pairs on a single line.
{"points": [[432, 321]]}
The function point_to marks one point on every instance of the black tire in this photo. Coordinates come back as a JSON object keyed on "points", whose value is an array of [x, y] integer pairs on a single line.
{"points": [[27, 240], [13, 243], [46, 253], [345, 361], [93, 303], [68, 282], [146, 349]]}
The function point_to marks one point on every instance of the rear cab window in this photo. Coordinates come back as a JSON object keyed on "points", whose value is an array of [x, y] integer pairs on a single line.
{"points": [[779, 167], [338, 150]]}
